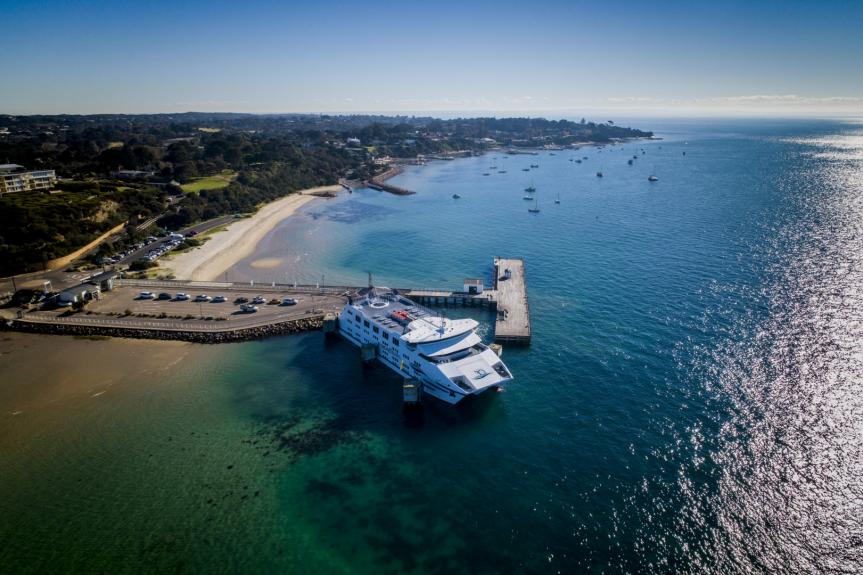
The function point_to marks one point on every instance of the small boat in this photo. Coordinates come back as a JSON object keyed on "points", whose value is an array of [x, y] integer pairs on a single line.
{"points": [[684, 153], [578, 161], [501, 171], [634, 157], [557, 199], [652, 178], [492, 167], [455, 196], [525, 169], [527, 197], [598, 174], [534, 165], [551, 154], [584, 157], [535, 208], [629, 162], [531, 188], [486, 174]]}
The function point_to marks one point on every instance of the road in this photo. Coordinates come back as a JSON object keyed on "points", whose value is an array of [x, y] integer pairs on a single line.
{"points": [[61, 279], [197, 228]]}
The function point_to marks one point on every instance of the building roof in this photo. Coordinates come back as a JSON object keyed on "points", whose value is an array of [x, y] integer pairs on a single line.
{"points": [[10, 167], [102, 276]]}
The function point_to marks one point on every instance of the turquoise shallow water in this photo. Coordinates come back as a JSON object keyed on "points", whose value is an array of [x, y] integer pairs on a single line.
{"points": [[690, 402]]}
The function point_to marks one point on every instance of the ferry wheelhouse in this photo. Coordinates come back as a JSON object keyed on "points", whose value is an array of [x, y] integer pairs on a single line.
{"points": [[445, 355]]}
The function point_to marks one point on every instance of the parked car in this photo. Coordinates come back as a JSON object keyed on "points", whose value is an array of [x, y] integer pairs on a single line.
{"points": [[241, 299], [146, 295], [248, 308], [289, 301], [258, 299], [181, 297], [219, 299], [164, 295], [202, 297]]}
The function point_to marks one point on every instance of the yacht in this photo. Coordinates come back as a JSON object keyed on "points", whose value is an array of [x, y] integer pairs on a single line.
{"points": [[445, 355]]}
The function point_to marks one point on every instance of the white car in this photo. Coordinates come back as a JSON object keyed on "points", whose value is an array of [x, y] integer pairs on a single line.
{"points": [[146, 295], [248, 308], [258, 299], [202, 297], [181, 297], [289, 301]]}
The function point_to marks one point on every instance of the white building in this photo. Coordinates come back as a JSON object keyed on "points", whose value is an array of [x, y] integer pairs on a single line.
{"points": [[14, 178]]}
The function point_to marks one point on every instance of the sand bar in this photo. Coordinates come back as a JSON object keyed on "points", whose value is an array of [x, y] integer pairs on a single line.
{"points": [[224, 249]]}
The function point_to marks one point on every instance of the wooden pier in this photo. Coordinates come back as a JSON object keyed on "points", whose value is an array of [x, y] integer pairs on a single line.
{"points": [[513, 314]]}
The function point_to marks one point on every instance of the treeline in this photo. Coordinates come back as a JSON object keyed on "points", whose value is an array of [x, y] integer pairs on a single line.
{"points": [[265, 182], [37, 227]]}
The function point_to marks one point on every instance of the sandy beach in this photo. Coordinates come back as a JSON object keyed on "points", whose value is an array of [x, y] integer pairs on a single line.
{"points": [[224, 249]]}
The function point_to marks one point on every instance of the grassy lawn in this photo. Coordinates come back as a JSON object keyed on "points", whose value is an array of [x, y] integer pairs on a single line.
{"points": [[214, 182]]}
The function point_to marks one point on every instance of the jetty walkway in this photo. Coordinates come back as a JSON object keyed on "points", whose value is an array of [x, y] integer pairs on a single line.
{"points": [[122, 312]]}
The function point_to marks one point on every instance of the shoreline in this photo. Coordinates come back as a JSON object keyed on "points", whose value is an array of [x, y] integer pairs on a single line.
{"points": [[224, 249]]}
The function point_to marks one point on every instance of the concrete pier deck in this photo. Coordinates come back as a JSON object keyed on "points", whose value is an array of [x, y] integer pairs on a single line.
{"points": [[513, 314]]}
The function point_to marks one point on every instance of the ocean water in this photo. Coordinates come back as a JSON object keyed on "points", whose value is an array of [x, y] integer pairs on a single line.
{"points": [[691, 401]]}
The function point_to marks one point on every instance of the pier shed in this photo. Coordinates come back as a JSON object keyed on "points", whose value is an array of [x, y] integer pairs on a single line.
{"points": [[473, 286]]}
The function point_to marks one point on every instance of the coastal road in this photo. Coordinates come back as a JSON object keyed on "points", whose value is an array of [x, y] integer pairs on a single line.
{"points": [[61, 279], [197, 229]]}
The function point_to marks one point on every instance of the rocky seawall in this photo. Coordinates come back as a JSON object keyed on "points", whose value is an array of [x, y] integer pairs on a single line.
{"points": [[289, 327]]}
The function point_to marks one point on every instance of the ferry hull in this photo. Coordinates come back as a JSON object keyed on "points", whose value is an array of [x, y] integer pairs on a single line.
{"points": [[445, 357]]}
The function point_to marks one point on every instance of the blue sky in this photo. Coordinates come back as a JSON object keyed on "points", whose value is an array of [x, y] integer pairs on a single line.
{"points": [[790, 58]]}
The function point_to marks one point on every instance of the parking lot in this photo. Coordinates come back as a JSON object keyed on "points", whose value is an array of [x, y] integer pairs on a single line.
{"points": [[123, 307], [127, 298]]}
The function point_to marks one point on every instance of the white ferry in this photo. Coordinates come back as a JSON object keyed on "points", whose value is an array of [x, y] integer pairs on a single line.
{"points": [[445, 355]]}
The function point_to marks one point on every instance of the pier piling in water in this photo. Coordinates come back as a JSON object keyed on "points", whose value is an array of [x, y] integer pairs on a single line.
{"points": [[412, 392]]}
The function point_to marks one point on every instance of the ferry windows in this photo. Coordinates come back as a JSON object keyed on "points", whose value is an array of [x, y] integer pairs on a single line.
{"points": [[386, 336], [376, 329], [366, 322], [357, 318], [395, 342]]}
